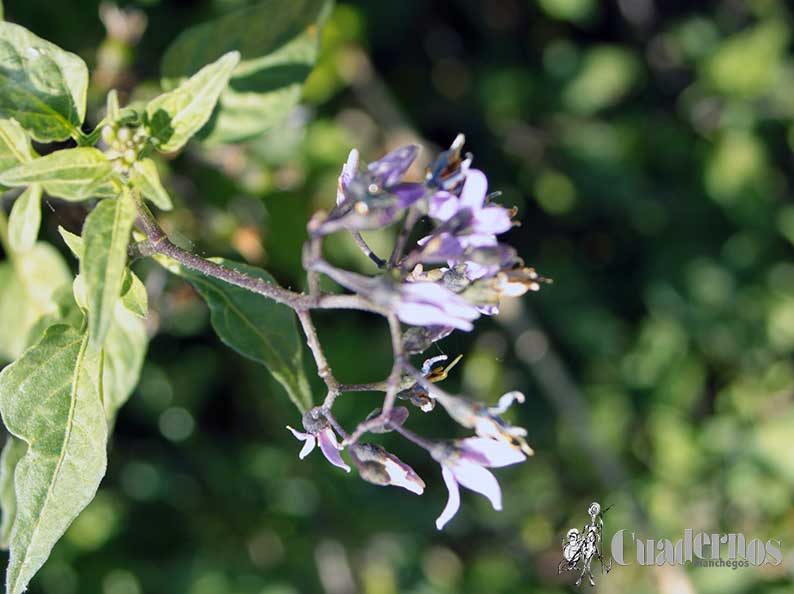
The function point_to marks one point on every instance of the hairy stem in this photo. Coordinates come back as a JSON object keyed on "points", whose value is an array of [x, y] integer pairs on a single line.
{"points": [[366, 250], [157, 242], [323, 369], [410, 221]]}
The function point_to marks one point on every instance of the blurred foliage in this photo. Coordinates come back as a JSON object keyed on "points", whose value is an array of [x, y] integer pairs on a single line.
{"points": [[648, 147]]}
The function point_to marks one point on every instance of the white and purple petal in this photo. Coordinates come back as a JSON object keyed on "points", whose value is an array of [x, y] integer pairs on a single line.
{"points": [[330, 448], [478, 479], [490, 452], [309, 442], [349, 170], [453, 503]]}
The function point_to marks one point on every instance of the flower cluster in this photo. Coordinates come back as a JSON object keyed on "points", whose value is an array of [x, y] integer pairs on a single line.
{"points": [[450, 275]]}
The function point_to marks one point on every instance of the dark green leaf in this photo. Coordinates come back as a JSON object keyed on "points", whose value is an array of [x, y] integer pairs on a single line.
{"points": [[255, 326], [279, 43]]}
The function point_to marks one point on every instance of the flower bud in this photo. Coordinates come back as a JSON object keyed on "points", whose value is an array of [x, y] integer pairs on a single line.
{"points": [[379, 467], [397, 417]]}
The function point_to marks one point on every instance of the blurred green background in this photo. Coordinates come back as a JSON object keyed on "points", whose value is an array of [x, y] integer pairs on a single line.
{"points": [[648, 146]]}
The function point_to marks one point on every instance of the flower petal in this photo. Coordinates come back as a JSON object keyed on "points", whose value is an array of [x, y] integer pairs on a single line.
{"points": [[330, 448], [490, 452], [308, 447], [492, 219], [453, 503], [389, 169], [428, 364], [478, 479], [474, 190], [402, 475], [349, 170], [418, 314], [300, 434], [443, 206]]}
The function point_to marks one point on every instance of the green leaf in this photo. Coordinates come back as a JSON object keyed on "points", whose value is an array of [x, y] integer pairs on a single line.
{"points": [[112, 108], [175, 116], [51, 399], [24, 220], [13, 450], [279, 44], [41, 86], [145, 178], [106, 234], [133, 294], [15, 146], [71, 174], [254, 326], [27, 287], [65, 311], [124, 352], [73, 241]]}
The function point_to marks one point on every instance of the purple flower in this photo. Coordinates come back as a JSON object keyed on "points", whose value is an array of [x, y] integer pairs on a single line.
{"points": [[377, 466], [415, 303], [388, 170], [431, 304], [349, 171], [449, 170], [373, 198], [486, 219], [465, 463], [319, 430], [487, 421]]}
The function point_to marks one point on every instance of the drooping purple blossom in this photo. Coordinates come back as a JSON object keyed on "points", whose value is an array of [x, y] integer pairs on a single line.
{"points": [[431, 304], [377, 466], [466, 463], [318, 431]]}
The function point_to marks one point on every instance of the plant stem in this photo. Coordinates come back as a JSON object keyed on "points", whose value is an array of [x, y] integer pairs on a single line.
{"points": [[157, 242], [410, 221], [366, 250], [323, 369]]}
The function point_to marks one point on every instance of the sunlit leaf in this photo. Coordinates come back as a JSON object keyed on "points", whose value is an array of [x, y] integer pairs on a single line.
{"points": [[175, 116], [15, 146], [145, 178], [133, 294], [25, 218], [27, 287], [41, 86], [50, 399], [71, 174], [279, 43], [73, 241], [124, 352], [106, 234], [13, 450]]}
